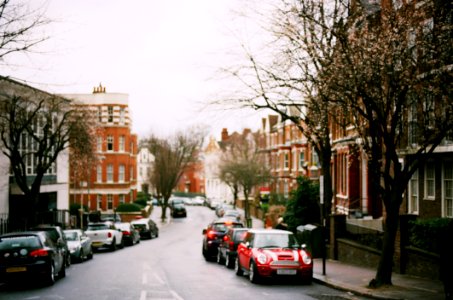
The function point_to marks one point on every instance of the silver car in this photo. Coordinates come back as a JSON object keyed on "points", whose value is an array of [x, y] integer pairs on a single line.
{"points": [[79, 245]]}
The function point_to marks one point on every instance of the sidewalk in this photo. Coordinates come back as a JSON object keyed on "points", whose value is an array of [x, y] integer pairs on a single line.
{"points": [[355, 279]]}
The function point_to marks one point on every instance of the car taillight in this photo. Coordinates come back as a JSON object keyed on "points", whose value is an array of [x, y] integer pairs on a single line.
{"points": [[109, 235], [211, 235], [305, 257], [39, 253], [231, 243], [126, 233]]}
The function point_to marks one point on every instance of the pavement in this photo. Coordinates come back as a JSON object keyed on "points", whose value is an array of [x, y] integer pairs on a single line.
{"points": [[354, 279]]}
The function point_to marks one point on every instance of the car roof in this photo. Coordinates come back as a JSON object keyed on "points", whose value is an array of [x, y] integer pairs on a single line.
{"points": [[226, 220], [270, 231]]}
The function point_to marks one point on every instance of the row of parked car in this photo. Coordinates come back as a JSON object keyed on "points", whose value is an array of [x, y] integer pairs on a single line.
{"points": [[258, 253], [44, 252]]}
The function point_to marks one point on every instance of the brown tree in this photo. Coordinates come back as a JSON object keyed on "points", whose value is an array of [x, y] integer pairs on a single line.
{"points": [[171, 157]]}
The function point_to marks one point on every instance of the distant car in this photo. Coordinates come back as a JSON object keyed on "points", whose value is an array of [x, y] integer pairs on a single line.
{"points": [[213, 235], [146, 227], [229, 244], [198, 200], [267, 253], [29, 256], [79, 244], [131, 235], [232, 214], [105, 235], [56, 233], [221, 208], [177, 208]]}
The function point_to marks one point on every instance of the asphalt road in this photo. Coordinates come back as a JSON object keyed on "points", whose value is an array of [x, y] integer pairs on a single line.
{"points": [[168, 267]]}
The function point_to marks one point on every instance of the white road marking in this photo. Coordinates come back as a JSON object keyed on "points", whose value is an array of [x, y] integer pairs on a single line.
{"points": [[160, 280], [177, 297], [144, 279], [143, 295]]}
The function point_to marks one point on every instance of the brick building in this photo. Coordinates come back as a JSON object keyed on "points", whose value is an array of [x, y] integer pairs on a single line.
{"points": [[113, 179]]}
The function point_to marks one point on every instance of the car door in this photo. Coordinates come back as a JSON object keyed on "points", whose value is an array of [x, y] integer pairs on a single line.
{"points": [[244, 251]]}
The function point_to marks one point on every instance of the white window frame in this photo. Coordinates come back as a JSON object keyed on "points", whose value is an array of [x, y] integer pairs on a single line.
{"points": [[99, 202], [447, 190], [412, 195], [110, 114], [122, 142], [99, 144], [301, 159], [110, 173], [430, 181], [99, 173], [121, 198], [109, 201], [121, 173], [110, 143]]}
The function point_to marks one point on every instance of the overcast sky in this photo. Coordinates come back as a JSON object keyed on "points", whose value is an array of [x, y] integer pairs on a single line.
{"points": [[163, 53]]}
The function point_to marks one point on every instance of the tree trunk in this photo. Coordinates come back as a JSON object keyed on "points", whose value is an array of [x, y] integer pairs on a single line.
{"points": [[163, 215], [385, 267]]}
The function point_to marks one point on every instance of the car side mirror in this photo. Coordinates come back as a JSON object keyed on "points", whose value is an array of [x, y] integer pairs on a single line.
{"points": [[303, 246], [247, 244], [204, 231], [60, 242]]}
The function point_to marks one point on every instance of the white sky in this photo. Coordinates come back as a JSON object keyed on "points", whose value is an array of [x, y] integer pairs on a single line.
{"points": [[163, 53]]}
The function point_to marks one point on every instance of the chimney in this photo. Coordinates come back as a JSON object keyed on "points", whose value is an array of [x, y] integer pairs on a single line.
{"points": [[224, 136]]}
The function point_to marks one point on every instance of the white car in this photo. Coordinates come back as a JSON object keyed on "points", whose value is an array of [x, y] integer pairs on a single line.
{"points": [[105, 234]]}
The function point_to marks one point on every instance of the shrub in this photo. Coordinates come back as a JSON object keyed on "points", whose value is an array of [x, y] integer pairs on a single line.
{"points": [[128, 207], [74, 209], [141, 202], [425, 234]]}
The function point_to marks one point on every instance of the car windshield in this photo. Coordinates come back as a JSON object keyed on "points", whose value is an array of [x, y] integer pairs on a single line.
{"points": [[30, 241], [71, 236], [280, 240], [225, 226], [177, 201]]}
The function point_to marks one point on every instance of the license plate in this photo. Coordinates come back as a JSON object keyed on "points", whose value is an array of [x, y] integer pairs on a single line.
{"points": [[97, 244], [286, 272], [16, 269]]}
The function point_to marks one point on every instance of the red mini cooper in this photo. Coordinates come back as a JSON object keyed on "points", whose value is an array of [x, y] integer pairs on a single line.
{"points": [[267, 253]]}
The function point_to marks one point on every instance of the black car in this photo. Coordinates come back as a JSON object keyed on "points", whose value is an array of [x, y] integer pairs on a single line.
{"points": [[33, 255], [57, 234], [213, 235], [229, 244], [178, 208]]}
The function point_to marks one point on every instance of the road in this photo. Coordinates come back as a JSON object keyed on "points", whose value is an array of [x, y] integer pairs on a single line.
{"points": [[168, 267]]}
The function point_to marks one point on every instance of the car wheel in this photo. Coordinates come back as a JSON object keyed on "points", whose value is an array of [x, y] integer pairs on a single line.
{"points": [[157, 233], [237, 267], [205, 254], [81, 256], [62, 273], [90, 255], [121, 246], [253, 273], [50, 280], [68, 260], [113, 246]]}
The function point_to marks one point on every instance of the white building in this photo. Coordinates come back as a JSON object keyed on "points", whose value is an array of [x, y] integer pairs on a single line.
{"points": [[145, 162]]}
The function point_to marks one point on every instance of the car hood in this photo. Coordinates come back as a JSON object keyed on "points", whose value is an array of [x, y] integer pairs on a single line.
{"points": [[279, 253]]}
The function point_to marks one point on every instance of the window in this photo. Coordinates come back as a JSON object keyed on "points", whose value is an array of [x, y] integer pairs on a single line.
{"points": [[99, 202], [110, 173], [122, 115], [447, 204], [121, 198], [110, 143], [121, 173], [110, 114], [413, 194], [121, 145], [99, 144], [99, 173], [100, 113], [301, 159], [430, 181], [109, 201], [413, 123], [286, 161]]}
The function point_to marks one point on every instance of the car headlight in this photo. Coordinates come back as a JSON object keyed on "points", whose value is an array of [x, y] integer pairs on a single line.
{"points": [[261, 258], [305, 257]]}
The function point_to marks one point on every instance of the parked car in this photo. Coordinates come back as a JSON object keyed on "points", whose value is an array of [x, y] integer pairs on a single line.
{"points": [[213, 235], [56, 233], [146, 227], [131, 235], [267, 253], [199, 200], [29, 256], [229, 244], [177, 208], [232, 214], [221, 208], [79, 244], [105, 234]]}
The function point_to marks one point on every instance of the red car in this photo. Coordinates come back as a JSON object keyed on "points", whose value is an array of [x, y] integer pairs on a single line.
{"points": [[267, 253]]}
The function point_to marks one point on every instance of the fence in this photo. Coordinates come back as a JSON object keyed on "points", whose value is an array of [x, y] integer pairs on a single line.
{"points": [[9, 223]]}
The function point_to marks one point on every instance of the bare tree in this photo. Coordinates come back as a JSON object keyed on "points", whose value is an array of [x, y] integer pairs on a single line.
{"points": [[19, 28], [393, 81], [172, 156], [242, 167], [35, 128]]}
